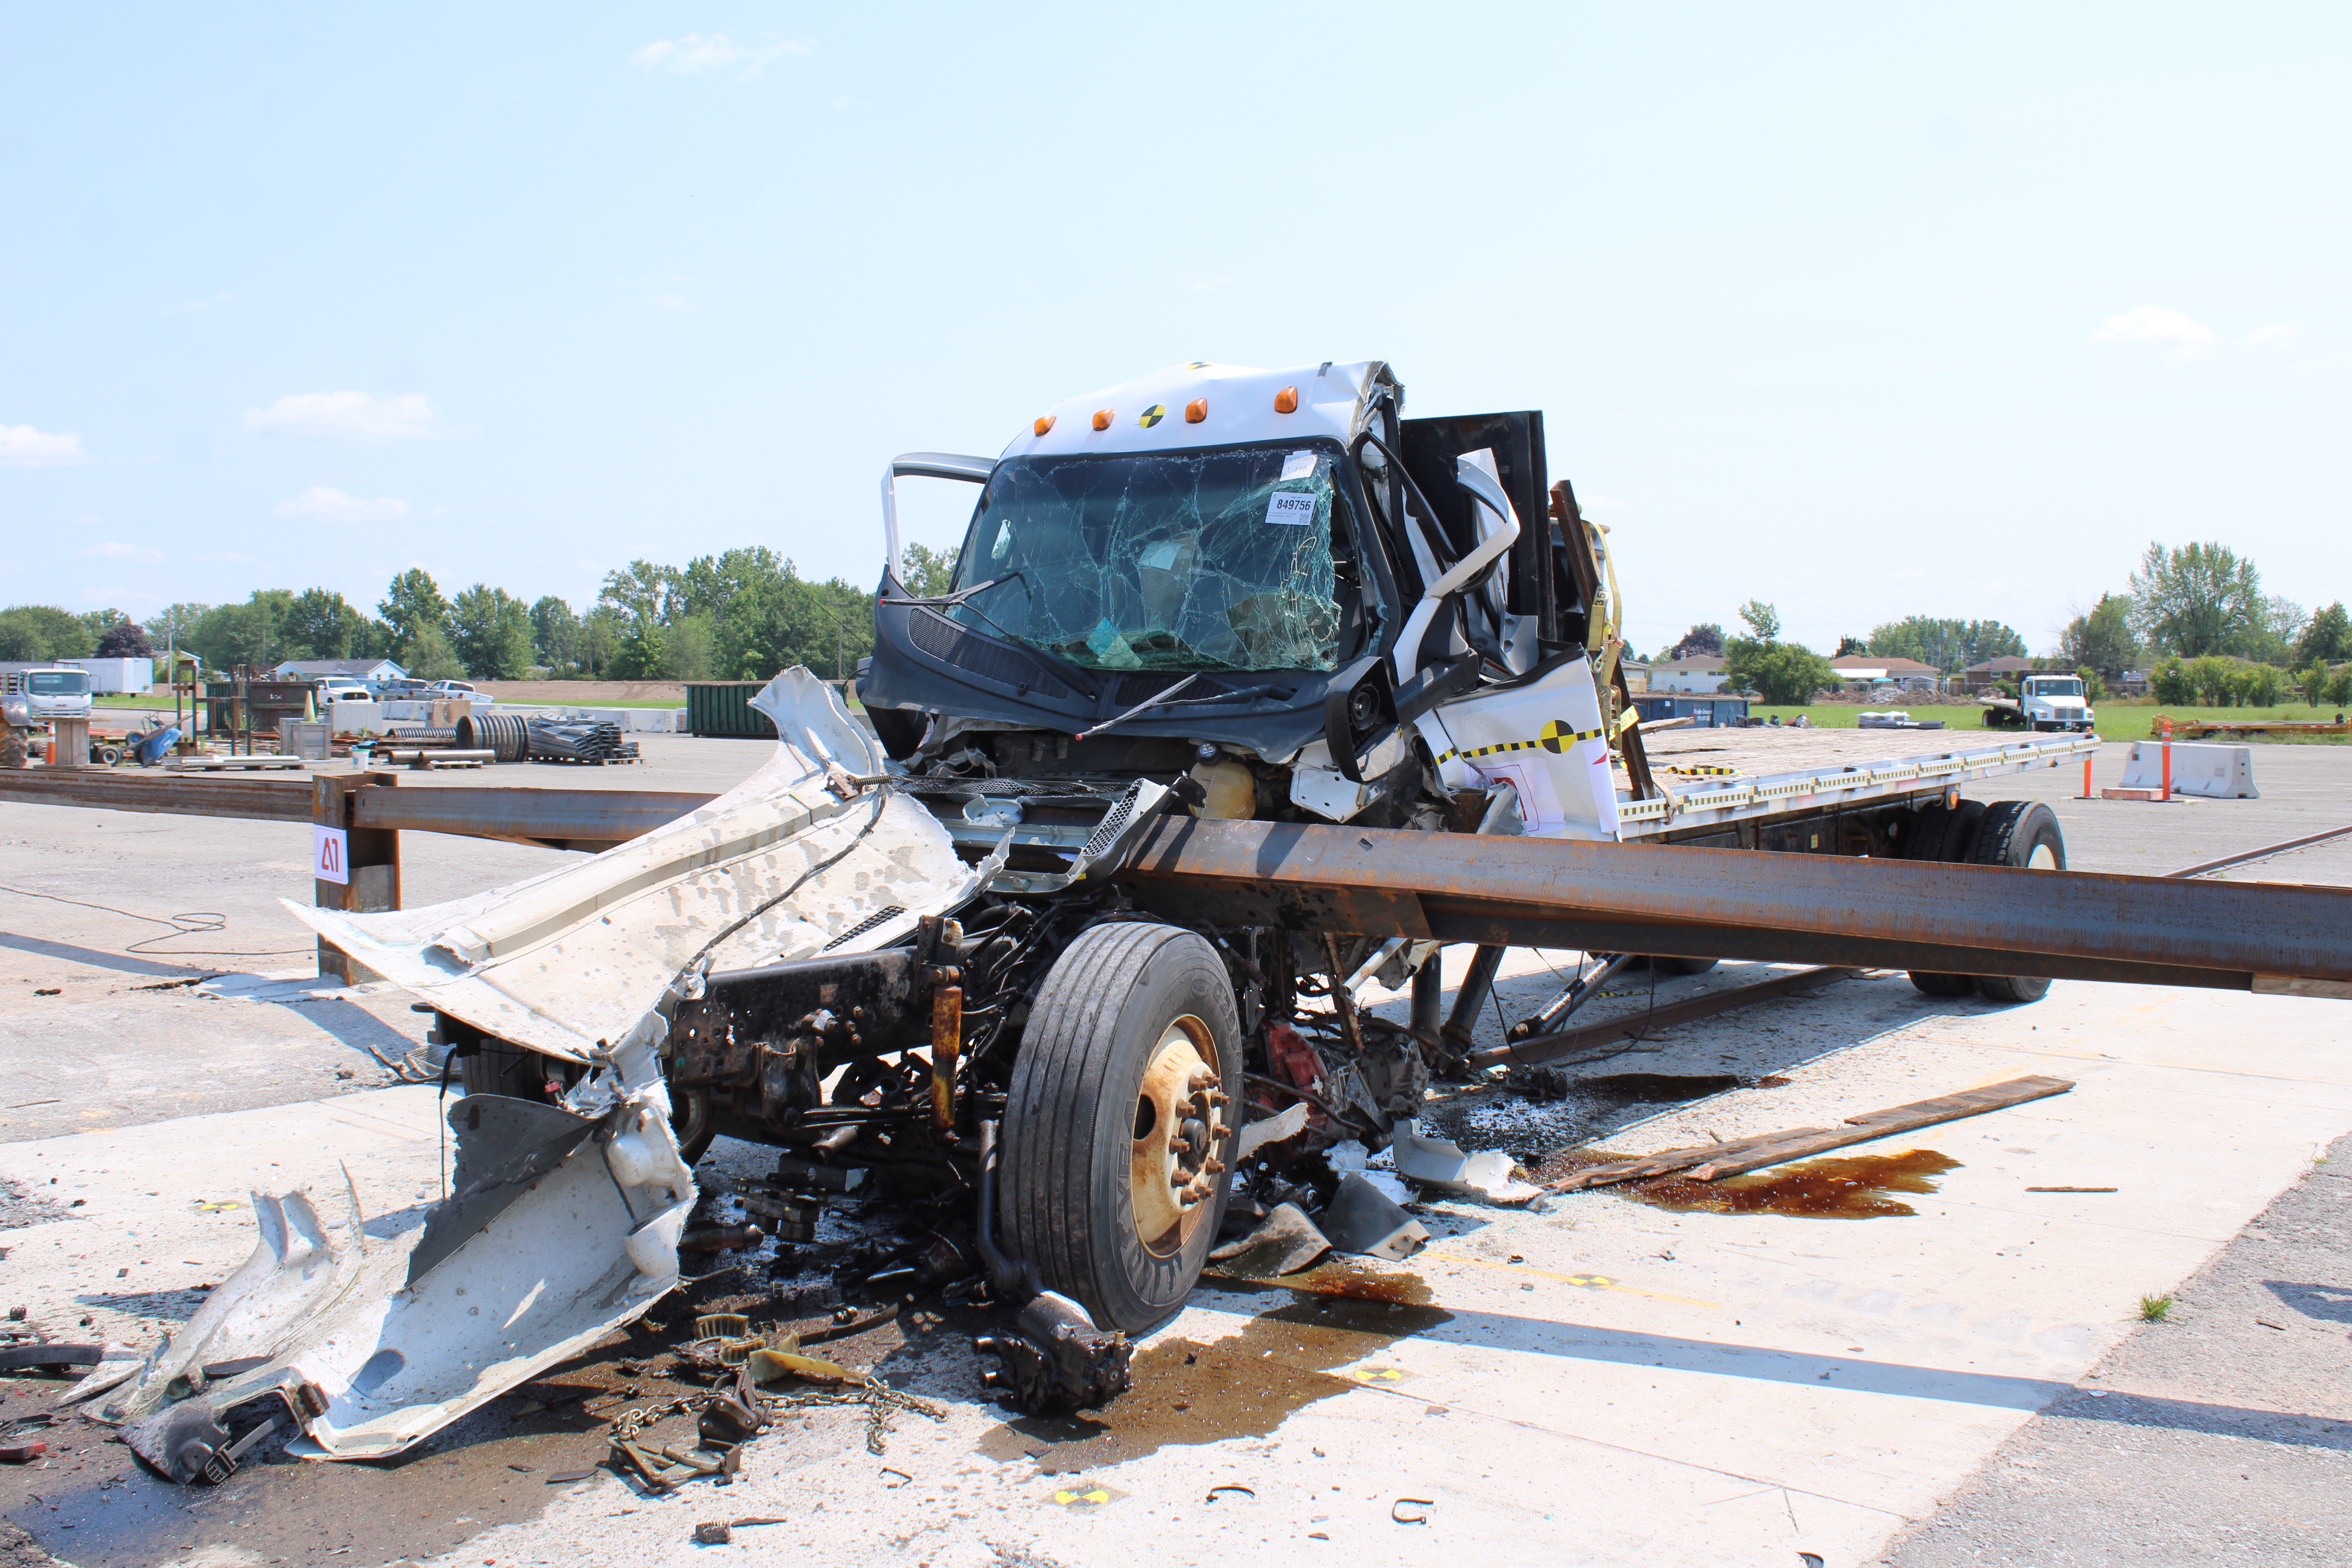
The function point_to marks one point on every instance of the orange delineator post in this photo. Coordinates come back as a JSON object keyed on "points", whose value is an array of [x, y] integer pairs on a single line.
{"points": [[2086, 778]]}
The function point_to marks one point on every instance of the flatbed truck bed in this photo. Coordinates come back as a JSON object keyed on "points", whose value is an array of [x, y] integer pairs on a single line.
{"points": [[1713, 777]]}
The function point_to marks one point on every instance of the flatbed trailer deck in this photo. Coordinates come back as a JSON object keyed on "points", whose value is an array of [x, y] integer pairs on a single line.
{"points": [[1714, 777]]}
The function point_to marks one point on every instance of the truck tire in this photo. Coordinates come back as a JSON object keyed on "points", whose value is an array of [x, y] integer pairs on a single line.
{"points": [[1681, 965], [1947, 833], [2021, 832], [1114, 1113]]}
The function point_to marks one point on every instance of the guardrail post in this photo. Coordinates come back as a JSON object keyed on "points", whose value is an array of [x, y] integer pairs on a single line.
{"points": [[368, 857]]}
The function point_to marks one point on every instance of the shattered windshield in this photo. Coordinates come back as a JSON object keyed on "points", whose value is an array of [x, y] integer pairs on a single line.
{"points": [[1218, 560]]}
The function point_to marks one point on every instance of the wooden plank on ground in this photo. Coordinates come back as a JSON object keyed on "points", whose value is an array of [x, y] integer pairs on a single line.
{"points": [[1739, 1155]]}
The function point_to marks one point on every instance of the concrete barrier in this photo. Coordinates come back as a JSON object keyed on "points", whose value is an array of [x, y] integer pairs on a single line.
{"points": [[2219, 772]]}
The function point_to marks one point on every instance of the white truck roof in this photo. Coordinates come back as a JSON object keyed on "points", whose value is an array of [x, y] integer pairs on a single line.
{"points": [[1236, 403]]}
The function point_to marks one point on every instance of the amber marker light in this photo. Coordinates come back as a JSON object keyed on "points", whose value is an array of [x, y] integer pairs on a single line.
{"points": [[1102, 418], [1046, 423], [1196, 411], [1286, 400]]}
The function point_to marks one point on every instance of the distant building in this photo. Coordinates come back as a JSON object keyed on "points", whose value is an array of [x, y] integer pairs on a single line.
{"points": [[371, 670], [1992, 672], [1699, 672], [1637, 674], [1869, 669]]}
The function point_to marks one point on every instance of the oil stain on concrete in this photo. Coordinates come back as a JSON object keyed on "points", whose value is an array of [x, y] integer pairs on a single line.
{"points": [[1283, 1360]]}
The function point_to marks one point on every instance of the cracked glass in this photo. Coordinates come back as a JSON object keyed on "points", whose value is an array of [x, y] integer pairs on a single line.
{"points": [[1191, 561]]}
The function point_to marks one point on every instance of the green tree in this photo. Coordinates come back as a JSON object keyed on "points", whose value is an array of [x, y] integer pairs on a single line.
{"points": [[2326, 637], [1949, 646], [320, 625], [645, 594], [1763, 620], [430, 656], [1784, 673], [2101, 638], [928, 573], [170, 627], [2198, 599], [1847, 645], [2094, 689], [2339, 691], [97, 623], [2171, 683], [412, 606], [231, 635], [555, 633], [22, 637], [490, 629], [640, 654], [599, 641], [54, 633]]}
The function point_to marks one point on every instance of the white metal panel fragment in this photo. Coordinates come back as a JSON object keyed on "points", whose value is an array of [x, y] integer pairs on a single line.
{"points": [[563, 1220], [777, 867]]}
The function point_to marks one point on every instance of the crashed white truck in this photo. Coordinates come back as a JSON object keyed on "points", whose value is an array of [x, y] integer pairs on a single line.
{"points": [[902, 955]]}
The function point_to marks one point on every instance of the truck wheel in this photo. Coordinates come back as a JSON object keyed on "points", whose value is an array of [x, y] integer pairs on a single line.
{"points": [[1947, 834], [1114, 1144], [2021, 832]]}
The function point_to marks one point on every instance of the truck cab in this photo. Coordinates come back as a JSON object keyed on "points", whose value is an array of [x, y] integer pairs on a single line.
{"points": [[32, 694], [2056, 702]]}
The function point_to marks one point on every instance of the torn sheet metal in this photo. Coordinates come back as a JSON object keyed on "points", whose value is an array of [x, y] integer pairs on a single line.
{"points": [[1440, 1162], [1284, 1243], [781, 867], [1360, 1220], [563, 1220]]}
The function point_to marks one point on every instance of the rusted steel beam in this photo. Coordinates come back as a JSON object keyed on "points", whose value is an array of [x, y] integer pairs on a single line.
{"points": [[1567, 1043], [286, 799], [562, 818], [1742, 904]]}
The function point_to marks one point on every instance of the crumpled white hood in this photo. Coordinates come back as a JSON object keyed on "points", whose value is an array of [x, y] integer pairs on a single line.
{"points": [[781, 867]]}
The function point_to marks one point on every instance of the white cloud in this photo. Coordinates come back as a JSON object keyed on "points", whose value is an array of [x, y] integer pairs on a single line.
{"points": [[346, 414], [2276, 333], [692, 52], [114, 550], [334, 506], [2155, 324], [22, 447]]}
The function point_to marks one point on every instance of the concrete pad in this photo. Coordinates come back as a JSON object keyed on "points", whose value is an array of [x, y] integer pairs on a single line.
{"points": [[170, 1202], [1642, 1387]]}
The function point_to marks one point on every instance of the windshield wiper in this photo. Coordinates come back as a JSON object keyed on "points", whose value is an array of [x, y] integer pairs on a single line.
{"points": [[1139, 707]]}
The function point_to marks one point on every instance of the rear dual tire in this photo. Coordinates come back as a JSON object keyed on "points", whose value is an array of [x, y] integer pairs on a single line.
{"points": [[2017, 833]]}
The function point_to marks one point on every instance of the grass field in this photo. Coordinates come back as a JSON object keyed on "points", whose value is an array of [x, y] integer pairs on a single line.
{"points": [[2117, 720]]}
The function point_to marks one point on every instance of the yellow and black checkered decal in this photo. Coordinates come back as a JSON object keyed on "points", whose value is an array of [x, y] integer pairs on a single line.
{"points": [[1558, 736], [1153, 416], [1727, 773]]}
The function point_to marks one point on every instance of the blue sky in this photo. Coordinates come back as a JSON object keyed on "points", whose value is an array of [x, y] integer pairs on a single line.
{"points": [[1866, 311]]}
